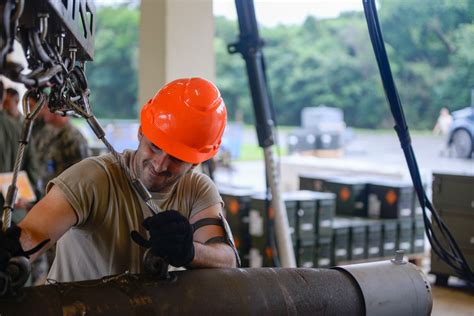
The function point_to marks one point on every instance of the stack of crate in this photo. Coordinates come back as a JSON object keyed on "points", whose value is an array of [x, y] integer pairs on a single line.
{"points": [[251, 219], [351, 193], [372, 219], [310, 217], [383, 214], [236, 209], [453, 198], [389, 199]]}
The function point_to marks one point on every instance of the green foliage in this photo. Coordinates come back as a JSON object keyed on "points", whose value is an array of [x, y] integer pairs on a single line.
{"points": [[331, 62], [113, 74], [430, 44]]}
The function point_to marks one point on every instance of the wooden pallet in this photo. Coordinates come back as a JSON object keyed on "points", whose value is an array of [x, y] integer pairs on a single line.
{"points": [[324, 153]]}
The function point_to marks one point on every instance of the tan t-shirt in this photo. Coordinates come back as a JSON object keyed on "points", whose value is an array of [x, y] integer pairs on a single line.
{"points": [[108, 209]]}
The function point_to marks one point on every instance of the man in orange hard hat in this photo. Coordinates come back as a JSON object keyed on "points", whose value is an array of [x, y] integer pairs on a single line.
{"points": [[101, 225]]}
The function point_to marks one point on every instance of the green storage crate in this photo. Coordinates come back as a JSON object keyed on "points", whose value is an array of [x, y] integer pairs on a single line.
{"points": [[453, 197], [454, 191], [389, 237], [340, 242], [357, 236], [305, 252], [351, 195], [390, 199], [418, 245], [309, 215], [325, 209], [292, 213], [322, 256], [313, 182], [236, 208], [261, 233], [373, 236], [358, 240], [405, 234]]}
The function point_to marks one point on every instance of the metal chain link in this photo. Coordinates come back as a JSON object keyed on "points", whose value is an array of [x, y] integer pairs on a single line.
{"points": [[85, 111], [24, 139]]}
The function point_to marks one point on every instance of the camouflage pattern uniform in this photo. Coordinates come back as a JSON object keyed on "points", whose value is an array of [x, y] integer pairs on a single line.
{"points": [[59, 149], [10, 133]]}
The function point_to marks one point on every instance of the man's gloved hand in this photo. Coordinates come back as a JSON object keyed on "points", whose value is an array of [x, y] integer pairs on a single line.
{"points": [[14, 270], [171, 237], [9, 245]]}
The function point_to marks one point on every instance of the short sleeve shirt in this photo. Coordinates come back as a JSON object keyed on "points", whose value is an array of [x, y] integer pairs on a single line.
{"points": [[108, 209]]}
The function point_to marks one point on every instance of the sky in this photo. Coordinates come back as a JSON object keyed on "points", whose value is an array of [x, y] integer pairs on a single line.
{"points": [[274, 12]]}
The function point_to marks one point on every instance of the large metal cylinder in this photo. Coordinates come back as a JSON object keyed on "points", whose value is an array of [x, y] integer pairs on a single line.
{"points": [[393, 287], [260, 291]]}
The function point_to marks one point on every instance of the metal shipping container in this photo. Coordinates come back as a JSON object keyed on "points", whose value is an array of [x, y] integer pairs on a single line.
{"points": [[453, 197]]}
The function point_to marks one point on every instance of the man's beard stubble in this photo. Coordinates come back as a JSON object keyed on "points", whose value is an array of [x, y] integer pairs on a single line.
{"points": [[164, 185]]}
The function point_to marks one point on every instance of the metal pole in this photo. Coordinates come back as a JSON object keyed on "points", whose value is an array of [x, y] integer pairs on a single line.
{"points": [[249, 45], [284, 244]]}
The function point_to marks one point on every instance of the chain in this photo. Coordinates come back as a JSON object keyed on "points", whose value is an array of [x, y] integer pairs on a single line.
{"points": [[30, 115], [51, 67], [79, 104]]}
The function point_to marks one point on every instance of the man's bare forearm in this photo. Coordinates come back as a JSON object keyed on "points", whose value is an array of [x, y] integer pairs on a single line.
{"points": [[218, 255], [29, 240], [49, 219]]}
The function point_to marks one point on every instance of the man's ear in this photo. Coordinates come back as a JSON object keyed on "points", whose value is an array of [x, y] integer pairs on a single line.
{"points": [[140, 133]]}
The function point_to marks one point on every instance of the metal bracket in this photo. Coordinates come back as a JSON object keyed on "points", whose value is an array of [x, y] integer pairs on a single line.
{"points": [[72, 21]]}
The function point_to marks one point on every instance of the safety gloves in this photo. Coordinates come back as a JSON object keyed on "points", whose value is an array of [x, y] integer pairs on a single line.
{"points": [[14, 266], [171, 237], [9, 246]]}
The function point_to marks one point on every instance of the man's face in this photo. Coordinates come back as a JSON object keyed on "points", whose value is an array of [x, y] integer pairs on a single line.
{"points": [[156, 169], [10, 104]]}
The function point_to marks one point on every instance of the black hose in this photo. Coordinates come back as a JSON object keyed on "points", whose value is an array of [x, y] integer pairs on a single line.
{"points": [[454, 256]]}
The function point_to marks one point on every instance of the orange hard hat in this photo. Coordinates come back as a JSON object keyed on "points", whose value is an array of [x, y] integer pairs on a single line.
{"points": [[186, 119]]}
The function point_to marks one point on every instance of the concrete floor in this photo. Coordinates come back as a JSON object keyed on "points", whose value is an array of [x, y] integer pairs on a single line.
{"points": [[452, 301]]}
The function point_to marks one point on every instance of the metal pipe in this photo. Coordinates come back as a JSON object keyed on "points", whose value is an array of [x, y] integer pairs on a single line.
{"points": [[259, 291], [393, 287], [250, 46], [282, 227]]}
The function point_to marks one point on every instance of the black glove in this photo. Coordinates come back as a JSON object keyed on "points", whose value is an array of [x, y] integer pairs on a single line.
{"points": [[13, 273], [171, 237], [9, 245]]}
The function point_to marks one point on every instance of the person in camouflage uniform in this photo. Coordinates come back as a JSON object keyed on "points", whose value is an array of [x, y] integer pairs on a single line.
{"points": [[10, 105], [10, 133], [62, 146]]}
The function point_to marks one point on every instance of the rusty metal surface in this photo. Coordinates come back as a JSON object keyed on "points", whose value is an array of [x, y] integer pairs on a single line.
{"points": [[262, 291]]}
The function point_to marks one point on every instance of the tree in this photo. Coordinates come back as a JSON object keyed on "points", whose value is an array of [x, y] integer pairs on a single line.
{"points": [[113, 74], [331, 62]]}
